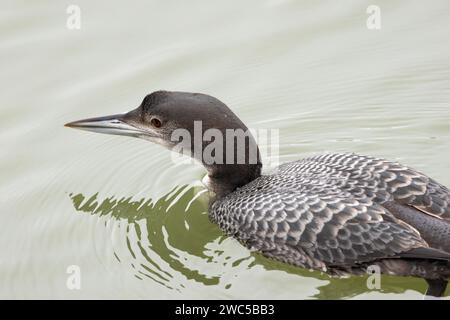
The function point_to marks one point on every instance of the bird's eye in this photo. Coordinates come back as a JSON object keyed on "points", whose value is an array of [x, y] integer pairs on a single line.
{"points": [[155, 122]]}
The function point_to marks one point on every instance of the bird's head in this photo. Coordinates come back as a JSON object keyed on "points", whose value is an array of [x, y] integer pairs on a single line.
{"points": [[188, 123]]}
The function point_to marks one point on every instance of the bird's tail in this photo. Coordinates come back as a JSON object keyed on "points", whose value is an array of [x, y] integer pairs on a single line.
{"points": [[433, 265], [436, 287]]}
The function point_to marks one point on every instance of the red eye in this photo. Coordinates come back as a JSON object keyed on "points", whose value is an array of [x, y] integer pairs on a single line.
{"points": [[155, 122]]}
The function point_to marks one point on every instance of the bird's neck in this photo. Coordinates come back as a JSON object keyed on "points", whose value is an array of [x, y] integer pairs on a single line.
{"points": [[226, 178], [231, 164]]}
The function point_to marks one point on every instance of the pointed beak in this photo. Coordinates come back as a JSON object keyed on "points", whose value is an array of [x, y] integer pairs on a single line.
{"points": [[115, 124]]}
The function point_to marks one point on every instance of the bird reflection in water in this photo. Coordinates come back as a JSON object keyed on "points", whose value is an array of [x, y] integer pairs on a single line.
{"points": [[175, 230]]}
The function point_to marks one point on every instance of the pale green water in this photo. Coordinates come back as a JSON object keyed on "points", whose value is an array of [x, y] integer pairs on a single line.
{"points": [[121, 210]]}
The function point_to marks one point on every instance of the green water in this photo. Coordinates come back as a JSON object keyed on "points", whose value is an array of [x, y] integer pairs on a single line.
{"points": [[134, 222]]}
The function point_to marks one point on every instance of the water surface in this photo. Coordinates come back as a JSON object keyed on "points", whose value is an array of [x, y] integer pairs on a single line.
{"points": [[134, 222]]}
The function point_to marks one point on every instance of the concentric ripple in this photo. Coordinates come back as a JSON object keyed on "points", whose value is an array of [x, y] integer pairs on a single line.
{"points": [[168, 239]]}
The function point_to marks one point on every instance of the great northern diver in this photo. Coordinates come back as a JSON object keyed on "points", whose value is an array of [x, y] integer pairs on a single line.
{"points": [[339, 213]]}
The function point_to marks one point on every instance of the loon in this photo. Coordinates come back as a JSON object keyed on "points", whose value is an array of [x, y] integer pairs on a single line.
{"points": [[339, 213]]}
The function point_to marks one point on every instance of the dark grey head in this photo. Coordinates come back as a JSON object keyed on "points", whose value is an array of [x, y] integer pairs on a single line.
{"points": [[159, 119]]}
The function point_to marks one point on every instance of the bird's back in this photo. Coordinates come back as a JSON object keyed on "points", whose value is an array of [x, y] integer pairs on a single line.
{"points": [[335, 210]]}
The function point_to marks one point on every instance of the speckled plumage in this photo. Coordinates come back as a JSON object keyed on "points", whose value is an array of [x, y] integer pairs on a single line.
{"points": [[330, 212]]}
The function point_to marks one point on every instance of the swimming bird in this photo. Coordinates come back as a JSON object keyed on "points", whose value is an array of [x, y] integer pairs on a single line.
{"points": [[339, 213]]}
